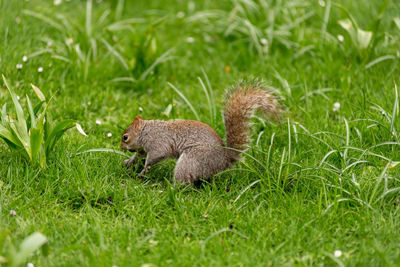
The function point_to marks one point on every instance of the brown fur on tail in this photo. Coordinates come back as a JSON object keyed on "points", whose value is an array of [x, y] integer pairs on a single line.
{"points": [[242, 102]]}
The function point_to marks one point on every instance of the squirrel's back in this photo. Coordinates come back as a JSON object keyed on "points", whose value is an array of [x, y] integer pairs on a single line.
{"points": [[195, 130]]}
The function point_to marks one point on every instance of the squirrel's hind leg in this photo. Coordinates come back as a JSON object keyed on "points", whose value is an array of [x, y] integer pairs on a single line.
{"points": [[200, 162]]}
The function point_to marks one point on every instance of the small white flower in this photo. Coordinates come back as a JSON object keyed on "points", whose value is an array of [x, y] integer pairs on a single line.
{"points": [[19, 66], [30, 264], [18, 97], [160, 191], [180, 14], [89, 103], [140, 109], [69, 41], [98, 122], [24, 58], [57, 2], [13, 212], [321, 3], [264, 41], [109, 135], [49, 43], [40, 69], [336, 106], [190, 39], [337, 253], [340, 38]]}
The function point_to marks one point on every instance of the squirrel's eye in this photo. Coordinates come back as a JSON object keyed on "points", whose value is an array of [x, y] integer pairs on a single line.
{"points": [[125, 137]]}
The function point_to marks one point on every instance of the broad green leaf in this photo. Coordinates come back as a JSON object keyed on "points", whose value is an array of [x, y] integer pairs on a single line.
{"points": [[17, 105], [363, 38], [4, 119], [37, 107], [348, 26], [31, 112], [56, 132], [36, 140], [7, 134], [20, 125], [39, 93], [396, 21], [360, 38], [24, 141], [28, 246]]}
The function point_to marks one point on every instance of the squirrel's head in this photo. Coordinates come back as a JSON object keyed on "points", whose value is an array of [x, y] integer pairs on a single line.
{"points": [[130, 136]]}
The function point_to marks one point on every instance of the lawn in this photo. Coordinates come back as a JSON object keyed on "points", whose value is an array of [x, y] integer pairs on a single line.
{"points": [[321, 186]]}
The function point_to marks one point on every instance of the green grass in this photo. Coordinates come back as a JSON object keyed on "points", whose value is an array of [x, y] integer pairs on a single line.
{"points": [[316, 182]]}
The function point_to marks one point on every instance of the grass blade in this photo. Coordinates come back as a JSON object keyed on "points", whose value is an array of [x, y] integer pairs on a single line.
{"points": [[163, 58], [104, 150], [186, 101], [89, 17], [115, 54], [208, 98], [44, 18], [395, 110]]}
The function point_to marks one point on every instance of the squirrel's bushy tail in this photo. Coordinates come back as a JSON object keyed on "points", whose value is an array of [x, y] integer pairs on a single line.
{"points": [[240, 105]]}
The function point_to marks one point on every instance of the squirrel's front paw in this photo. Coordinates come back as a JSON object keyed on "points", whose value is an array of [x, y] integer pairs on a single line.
{"points": [[129, 162]]}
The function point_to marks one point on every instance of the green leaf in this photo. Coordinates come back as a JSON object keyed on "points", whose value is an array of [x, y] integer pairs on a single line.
{"points": [[31, 112], [8, 135], [37, 107], [18, 108], [4, 120], [20, 125], [39, 93], [348, 26], [36, 143], [28, 246], [55, 133], [363, 39], [3, 235], [396, 21], [167, 111], [360, 38]]}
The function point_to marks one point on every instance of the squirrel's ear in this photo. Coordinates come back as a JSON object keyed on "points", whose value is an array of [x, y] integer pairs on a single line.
{"points": [[137, 120]]}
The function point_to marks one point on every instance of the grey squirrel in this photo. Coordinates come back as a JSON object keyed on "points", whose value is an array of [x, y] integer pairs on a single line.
{"points": [[200, 151]]}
